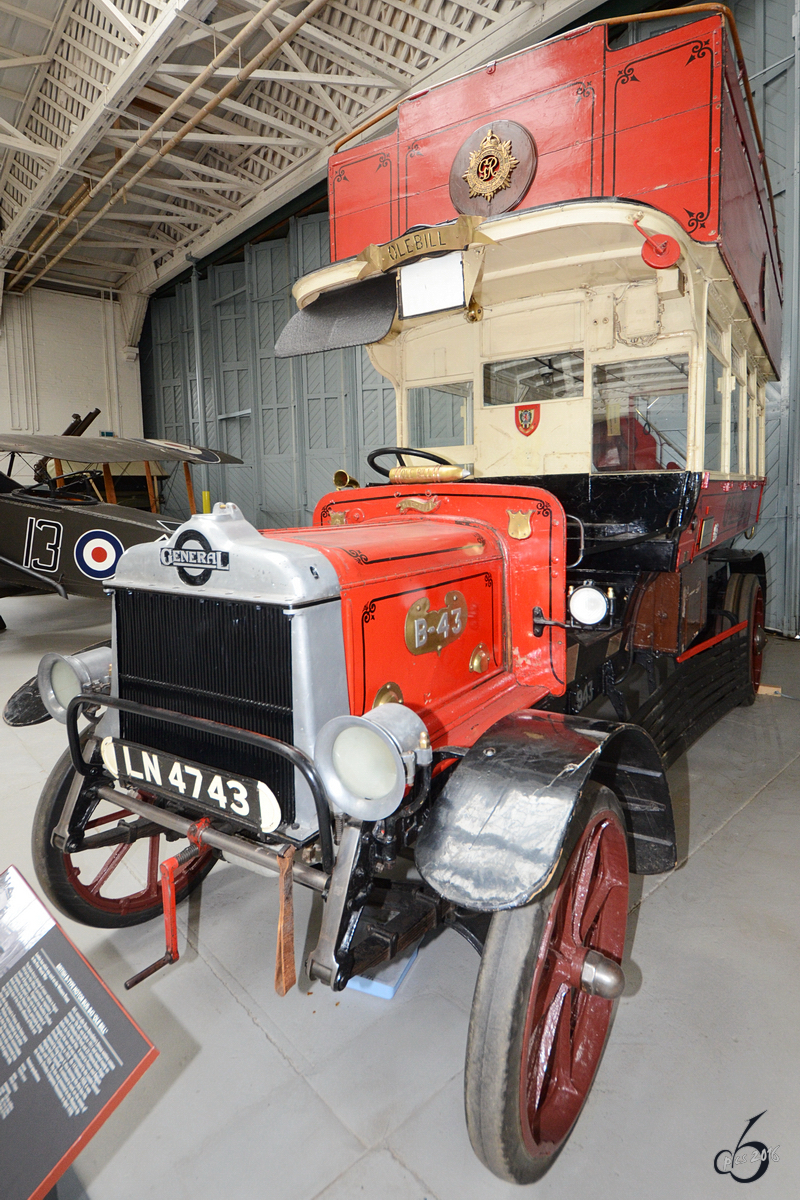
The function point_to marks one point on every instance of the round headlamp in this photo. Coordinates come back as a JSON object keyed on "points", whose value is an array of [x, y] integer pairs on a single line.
{"points": [[367, 762], [588, 605], [63, 676]]}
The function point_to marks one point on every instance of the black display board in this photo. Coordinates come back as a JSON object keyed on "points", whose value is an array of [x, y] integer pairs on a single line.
{"points": [[68, 1050]]}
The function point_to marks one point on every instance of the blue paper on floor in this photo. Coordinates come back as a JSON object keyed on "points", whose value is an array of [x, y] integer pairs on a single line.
{"points": [[385, 979]]}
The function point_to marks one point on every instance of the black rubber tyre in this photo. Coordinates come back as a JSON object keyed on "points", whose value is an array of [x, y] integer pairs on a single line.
{"points": [[745, 598], [111, 898], [518, 1134]]}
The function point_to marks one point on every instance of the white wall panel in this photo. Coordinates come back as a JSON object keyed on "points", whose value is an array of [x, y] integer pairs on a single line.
{"points": [[61, 355]]}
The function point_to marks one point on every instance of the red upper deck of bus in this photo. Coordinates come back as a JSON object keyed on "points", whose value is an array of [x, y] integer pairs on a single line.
{"points": [[662, 122]]}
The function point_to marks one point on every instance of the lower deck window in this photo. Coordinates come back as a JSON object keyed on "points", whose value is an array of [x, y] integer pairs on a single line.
{"points": [[715, 374], [528, 380], [738, 456], [639, 414], [440, 415], [753, 430]]}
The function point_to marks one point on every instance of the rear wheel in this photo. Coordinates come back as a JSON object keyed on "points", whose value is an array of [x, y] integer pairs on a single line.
{"points": [[536, 1033], [744, 597], [110, 885]]}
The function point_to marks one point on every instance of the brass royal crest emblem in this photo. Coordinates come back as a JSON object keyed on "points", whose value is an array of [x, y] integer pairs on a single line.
{"points": [[486, 177], [490, 167]]}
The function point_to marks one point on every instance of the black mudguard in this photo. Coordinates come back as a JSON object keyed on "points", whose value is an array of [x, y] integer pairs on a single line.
{"points": [[25, 707], [496, 832]]}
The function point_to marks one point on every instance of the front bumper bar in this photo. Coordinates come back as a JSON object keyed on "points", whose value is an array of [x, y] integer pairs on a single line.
{"points": [[297, 758], [263, 858]]}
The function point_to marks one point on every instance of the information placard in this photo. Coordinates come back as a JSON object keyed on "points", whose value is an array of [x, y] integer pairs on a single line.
{"points": [[68, 1050]]}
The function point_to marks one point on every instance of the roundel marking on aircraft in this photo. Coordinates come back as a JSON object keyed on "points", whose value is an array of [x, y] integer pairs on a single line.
{"points": [[97, 553]]}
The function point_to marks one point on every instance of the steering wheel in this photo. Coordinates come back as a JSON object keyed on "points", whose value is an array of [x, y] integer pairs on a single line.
{"points": [[399, 451]]}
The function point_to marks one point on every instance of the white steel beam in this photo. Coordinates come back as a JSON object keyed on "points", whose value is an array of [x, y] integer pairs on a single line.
{"points": [[191, 169], [137, 218], [71, 284], [129, 241], [322, 96], [245, 138], [389, 32], [10, 94], [186, 110], [289, 78], [346, 44], [20, 143], [186, 191], [118, 20], [25, 60], [218, 30], [11, 136], [267, 119]]}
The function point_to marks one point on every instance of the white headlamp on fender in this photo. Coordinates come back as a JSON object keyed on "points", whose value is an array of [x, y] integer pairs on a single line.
{"points": [[367, 762], [587, 604], [63, 676]]}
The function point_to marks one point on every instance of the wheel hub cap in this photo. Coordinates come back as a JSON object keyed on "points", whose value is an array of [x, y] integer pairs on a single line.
{"points": [[601, 976]]}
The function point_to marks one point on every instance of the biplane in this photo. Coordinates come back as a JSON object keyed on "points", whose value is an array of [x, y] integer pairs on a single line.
{"points": [[66, 533]]}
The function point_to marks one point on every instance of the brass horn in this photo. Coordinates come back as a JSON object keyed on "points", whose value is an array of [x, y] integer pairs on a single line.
{"points": [[342, 480]]}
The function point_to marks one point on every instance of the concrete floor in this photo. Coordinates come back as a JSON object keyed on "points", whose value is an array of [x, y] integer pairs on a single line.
{"points": [[340, 1096]]}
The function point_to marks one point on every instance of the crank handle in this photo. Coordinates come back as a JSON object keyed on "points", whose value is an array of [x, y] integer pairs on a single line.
{"points": [[540, 621], [168, 899]]}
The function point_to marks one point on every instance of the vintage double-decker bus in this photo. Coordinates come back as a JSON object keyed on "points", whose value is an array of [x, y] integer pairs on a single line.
{"points": [[566, 263]]}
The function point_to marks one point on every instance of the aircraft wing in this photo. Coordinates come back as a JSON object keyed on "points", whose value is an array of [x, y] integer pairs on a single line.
{"points": [[111, 449]]}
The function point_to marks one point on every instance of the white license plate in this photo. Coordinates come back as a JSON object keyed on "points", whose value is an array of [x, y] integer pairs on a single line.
{"points": [[234, 796]]}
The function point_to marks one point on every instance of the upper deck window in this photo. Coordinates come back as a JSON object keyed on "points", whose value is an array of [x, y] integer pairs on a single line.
{"points": [[529, 380], [639, 411], [440, 415]]}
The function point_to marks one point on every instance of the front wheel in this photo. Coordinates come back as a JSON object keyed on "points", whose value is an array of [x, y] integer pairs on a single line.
{"points": [[110, 881], [537, 1029]]}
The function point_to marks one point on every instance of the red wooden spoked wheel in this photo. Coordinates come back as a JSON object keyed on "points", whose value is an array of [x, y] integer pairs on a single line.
{"points": [[566, 1028], [758, 638], [744, 597], [112, 885], [538, 1030]]}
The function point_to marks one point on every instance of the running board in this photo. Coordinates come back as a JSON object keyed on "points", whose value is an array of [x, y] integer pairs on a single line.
{"points": [[699, 691]]}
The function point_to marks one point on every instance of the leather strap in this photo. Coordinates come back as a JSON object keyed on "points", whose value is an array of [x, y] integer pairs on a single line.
{"points": [[285, 974]]}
